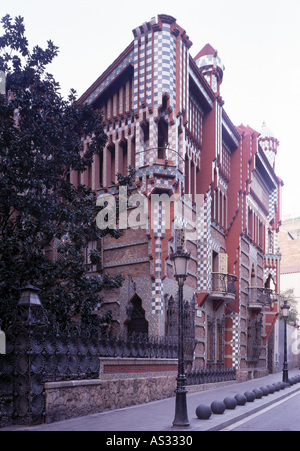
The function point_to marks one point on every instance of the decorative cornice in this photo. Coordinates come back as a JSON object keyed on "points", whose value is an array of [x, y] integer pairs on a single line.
{"points": [[106, 73]]}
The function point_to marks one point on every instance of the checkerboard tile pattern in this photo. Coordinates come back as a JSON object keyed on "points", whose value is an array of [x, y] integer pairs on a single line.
{"points": [[164, 65], [159, 233], [154, 59], [159, 212], [272, 202], [157, 296], [235, 341], [204, 246]]}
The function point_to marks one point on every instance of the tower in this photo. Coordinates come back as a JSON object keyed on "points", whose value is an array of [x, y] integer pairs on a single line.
{"points": [[268, 143], [211, 66]]}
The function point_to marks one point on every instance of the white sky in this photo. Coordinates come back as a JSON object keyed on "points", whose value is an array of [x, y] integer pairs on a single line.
{"points": [[258, 41]]}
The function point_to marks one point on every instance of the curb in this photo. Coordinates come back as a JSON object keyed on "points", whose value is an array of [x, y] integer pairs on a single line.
{"points": [[233, 416]]}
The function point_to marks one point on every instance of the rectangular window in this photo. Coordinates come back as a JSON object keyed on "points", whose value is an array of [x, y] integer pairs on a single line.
{"points": [[87, 256], [225, 161], [250, 223], [210, 340], [220, 340], [195, 121]]}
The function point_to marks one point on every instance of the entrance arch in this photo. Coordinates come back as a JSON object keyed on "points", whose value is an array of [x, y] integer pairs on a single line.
{"points": [[136, 317]]}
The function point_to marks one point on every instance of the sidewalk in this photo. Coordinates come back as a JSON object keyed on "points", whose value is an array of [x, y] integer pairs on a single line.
{"points": [[159, 415]]}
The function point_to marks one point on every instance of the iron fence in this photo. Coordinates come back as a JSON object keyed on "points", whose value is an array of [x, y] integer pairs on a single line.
{"points": [[35, 355], [37, 352], [207, 376]]}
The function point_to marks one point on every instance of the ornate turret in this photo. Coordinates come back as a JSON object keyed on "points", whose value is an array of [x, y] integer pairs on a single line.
{"points": [[211, 66], [268, 143]]}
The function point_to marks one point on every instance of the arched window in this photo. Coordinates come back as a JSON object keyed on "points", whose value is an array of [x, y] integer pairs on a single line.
{"points": [[144, 142], [111, 163], [136, 317], [270, 283], [133, 151], [162, 138], [123, 157], [171, 318], [253, 276], [187, 176], [99, 169]]}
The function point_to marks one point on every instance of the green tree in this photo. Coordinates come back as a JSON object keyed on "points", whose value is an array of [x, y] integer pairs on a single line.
{"points": [[40, 144], [289, 296]]}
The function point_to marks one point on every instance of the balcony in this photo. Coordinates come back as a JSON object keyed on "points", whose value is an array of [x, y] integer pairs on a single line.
{"points": [[260, 297], [223, 287]]}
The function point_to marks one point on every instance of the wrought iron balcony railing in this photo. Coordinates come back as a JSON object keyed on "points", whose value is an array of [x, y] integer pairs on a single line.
{"points": [[223, 286], [260, 297], [254, 339]]}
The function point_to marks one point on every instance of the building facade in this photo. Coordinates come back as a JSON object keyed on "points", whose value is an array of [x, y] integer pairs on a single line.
{"points": [[204, 184], [289, 245]]}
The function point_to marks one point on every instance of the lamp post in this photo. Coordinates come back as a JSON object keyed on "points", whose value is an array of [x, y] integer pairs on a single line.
{"points": [[285, 313], [180, 263]]}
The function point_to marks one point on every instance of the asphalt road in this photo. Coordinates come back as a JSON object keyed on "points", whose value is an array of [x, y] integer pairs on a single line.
{"points": [[281, 416]]}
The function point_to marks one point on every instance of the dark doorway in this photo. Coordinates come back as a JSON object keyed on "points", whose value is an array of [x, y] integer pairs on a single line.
{"points": [[136, 317]]}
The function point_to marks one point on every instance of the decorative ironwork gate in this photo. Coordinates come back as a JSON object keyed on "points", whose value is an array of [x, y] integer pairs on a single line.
{"points": [[22, 397], [171, 329], [254, 339], [215, 341]]}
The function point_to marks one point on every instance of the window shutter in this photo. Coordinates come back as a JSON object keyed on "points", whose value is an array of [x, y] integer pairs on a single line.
{"points": [[223, 263]]}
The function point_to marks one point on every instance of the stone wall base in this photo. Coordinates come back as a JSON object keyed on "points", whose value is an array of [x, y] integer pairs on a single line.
{"points": [[246, 374], [71, 399], [122, 383]]}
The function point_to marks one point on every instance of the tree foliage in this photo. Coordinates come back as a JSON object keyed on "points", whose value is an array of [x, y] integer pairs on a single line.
{"points": [[289, 296], [41, 142]]}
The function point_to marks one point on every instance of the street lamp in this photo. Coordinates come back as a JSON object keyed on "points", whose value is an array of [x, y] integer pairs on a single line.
{"points": [[180, 263], [285, 313]]}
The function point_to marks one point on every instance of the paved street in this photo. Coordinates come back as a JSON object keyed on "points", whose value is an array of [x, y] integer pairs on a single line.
{"points": [[159, 415], [281, 416]]}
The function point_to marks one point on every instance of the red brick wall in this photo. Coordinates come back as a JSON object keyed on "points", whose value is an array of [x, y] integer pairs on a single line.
{"points": [[137, 369]]}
